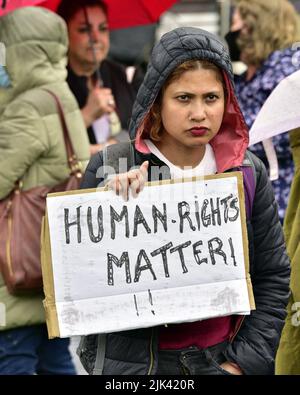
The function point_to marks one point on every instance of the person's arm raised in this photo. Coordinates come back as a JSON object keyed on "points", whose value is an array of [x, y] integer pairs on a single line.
{"points": [[100, 101]]}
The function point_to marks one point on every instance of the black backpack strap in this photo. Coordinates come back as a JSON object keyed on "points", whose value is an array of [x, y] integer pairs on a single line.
{"points": [[248, 161], [118, 158], [249, 178], [100, 355]]}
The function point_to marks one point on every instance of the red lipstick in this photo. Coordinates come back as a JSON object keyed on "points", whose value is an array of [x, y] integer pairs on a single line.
{"points": [[198, 131]]}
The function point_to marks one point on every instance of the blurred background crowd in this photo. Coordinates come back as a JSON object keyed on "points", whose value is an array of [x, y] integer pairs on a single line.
{"points": [[105, 68]]}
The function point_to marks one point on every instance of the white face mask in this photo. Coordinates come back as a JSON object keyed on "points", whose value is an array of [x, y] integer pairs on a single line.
{"points": [[4, 78]]}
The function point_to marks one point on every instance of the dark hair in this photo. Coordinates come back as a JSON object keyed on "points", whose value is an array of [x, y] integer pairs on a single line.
{"points": [[153, 122], [67, 9]]}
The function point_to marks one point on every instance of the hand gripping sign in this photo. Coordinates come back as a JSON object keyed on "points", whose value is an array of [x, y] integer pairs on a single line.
{"points": [[171, 255]]}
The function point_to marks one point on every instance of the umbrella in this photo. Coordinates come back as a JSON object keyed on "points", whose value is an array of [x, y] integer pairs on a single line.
{"points": [[10, 5], [121, 14]]}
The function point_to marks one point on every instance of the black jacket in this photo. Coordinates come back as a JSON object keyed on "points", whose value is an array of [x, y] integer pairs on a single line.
{"points": [[254, 346], [114, 77]]}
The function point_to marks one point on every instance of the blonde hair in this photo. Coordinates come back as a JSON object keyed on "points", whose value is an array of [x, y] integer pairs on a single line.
{"points": [[153, 122], [272, 25]]}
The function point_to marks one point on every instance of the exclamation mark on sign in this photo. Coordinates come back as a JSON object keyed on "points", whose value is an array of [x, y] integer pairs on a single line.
{"points": [[151, 301], [136, 306], [232, 251]]}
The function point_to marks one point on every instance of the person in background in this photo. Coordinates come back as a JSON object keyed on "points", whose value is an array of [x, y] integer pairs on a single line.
{"points": [[288, 356], [207, 135], [105, 103], [32, 150], [262, 36]]}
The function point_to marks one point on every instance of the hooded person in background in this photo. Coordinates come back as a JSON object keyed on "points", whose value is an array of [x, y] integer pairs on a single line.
{"points": [[186, 115], [32, 149], [106, 104], [262, 36]]}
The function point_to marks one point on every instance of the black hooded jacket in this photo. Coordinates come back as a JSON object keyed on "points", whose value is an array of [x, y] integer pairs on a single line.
{"points": [[254, 345]]}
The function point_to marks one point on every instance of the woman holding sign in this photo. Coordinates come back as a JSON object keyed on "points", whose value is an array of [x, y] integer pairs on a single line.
{"points": [[186, 119]]}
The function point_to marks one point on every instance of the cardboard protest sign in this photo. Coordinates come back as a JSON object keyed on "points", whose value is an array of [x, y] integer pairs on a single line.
{"points": [[177, 253], [280, 112]]}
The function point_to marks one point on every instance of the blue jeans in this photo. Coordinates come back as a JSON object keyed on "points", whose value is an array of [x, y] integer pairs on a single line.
{"points": [[192, 361], [27, 351]]}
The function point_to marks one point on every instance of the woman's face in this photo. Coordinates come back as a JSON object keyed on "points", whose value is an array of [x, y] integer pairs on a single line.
{"points": [[192, 109], [80, 49], [237, 22]]}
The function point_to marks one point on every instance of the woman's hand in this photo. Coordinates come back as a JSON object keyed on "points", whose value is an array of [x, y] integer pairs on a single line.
{"points": [[100, 101], [134, 180]]}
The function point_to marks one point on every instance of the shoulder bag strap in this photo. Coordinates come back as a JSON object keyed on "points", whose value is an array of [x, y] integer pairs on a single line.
{"points": [[72, 158], [118, 158]]}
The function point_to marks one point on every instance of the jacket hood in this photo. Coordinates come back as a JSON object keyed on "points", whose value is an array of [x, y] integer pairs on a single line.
{"points": [[174, 48], [36, 43]]}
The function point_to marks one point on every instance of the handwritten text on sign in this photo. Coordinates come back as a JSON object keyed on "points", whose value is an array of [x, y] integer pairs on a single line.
{"points": [[148, 261]]}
